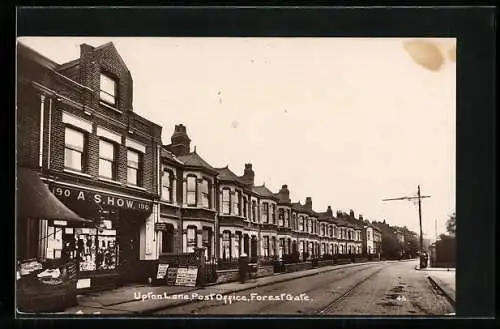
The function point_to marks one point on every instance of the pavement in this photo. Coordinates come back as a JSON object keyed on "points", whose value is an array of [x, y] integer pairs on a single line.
{"points": [[444, 279], [373, 289], [145, 299]]}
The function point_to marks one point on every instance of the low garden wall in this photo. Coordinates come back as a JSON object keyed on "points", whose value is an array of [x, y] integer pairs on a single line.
{"points": [[326, 262], [263, 271], [224, 276], [297, 267]]}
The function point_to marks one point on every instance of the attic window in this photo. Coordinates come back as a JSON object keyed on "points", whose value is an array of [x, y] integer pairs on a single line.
{"points": [[108, 89]]}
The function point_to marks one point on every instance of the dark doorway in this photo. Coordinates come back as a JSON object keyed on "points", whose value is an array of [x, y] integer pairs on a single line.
{"points": [[167, 240], [129, 246], [253, 247], [207, 241], [246, 244]]}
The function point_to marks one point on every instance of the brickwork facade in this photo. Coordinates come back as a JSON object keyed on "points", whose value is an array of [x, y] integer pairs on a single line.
{"points": [[208, 207]]}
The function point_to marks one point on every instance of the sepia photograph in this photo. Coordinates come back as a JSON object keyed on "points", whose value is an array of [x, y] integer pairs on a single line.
{"points": [[248, 176]]}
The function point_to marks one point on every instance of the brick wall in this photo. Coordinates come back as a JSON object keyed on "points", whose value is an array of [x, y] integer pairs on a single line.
{"points": [[297, 267], [224, 276], [105, 59], [28, 127], [91, 62], [265, 271]]}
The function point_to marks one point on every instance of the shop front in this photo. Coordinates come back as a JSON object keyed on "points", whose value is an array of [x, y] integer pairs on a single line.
{"points": [[108, 251], [43, 284]]}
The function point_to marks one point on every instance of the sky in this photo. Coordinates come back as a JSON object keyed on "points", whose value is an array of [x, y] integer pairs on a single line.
{"points": [[347, 122]]}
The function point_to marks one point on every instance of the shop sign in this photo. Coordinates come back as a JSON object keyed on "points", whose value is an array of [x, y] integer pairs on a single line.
{"points": [[186, 276], [160, 226], [65, 193], [162, 271]]}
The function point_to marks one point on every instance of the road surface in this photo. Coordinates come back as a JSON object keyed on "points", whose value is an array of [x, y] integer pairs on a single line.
{"points": [[387, 288]]}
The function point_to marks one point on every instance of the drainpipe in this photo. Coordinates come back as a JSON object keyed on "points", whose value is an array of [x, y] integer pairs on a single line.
{"points": [[50, 130], [158, 170], [216, 236], [42, 105]]}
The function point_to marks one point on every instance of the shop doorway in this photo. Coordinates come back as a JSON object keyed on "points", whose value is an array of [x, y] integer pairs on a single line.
{"points": [[129, 246]]}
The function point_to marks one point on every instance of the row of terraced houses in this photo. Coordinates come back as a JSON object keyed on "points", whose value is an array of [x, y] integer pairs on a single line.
{"points": [[77, 129]]}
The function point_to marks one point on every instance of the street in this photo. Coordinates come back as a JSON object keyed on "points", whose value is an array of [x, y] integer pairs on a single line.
{"points": [[387, 288]]}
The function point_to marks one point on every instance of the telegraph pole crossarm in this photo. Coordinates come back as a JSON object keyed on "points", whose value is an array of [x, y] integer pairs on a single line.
{"points": [[419, 197]]}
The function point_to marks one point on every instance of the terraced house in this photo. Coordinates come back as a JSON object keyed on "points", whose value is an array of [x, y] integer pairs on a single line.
{"points": [[140, 199], [228, 214]]}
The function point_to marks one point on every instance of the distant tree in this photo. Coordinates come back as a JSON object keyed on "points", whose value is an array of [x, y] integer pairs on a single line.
{"points": [[451, 225], [412, 243], [390, 245]]}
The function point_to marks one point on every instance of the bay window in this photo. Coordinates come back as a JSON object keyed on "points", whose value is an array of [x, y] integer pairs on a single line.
{"points": [[266, 246], [254, 210], [191, 238], [265, 212], [191, 190], [226, 201], [236, 203], [281, 215], [236, 245], [245, 207], [287, 218], [273, 213], [205, 193], [166, 185], [301, 223], [226, 244]]}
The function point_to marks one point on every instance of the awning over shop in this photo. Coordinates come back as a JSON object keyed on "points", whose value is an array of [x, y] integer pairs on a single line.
{"points": [[35, 201]]}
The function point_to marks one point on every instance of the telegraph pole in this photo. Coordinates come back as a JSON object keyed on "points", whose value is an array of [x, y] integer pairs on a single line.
{"points": [[420, 221], [419, 197]]}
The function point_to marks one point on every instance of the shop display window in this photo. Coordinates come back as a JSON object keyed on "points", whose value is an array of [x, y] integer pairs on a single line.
{"points": [[95, 249]]}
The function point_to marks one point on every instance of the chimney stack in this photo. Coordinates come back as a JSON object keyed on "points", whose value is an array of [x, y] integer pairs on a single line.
{"points": [[329, 211], [248, 174], [351, 213], [360, 217], [85, 49], [284, 194], [308, 203], [181, 144]]}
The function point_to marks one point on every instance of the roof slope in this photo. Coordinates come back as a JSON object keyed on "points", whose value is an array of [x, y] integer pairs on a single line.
{"points": [[194, 160], [169, 155], [225, 174], [263, 191]]}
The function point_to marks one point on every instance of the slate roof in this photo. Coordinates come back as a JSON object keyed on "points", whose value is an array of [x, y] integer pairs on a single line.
{"points": [[282, 199], [169, 155], [297, 206], [194, 160], [225, 174], [263, 191], [325, 216]]}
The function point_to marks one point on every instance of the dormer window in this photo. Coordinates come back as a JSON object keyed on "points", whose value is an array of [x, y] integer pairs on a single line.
{"points": [[108, 89]]}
